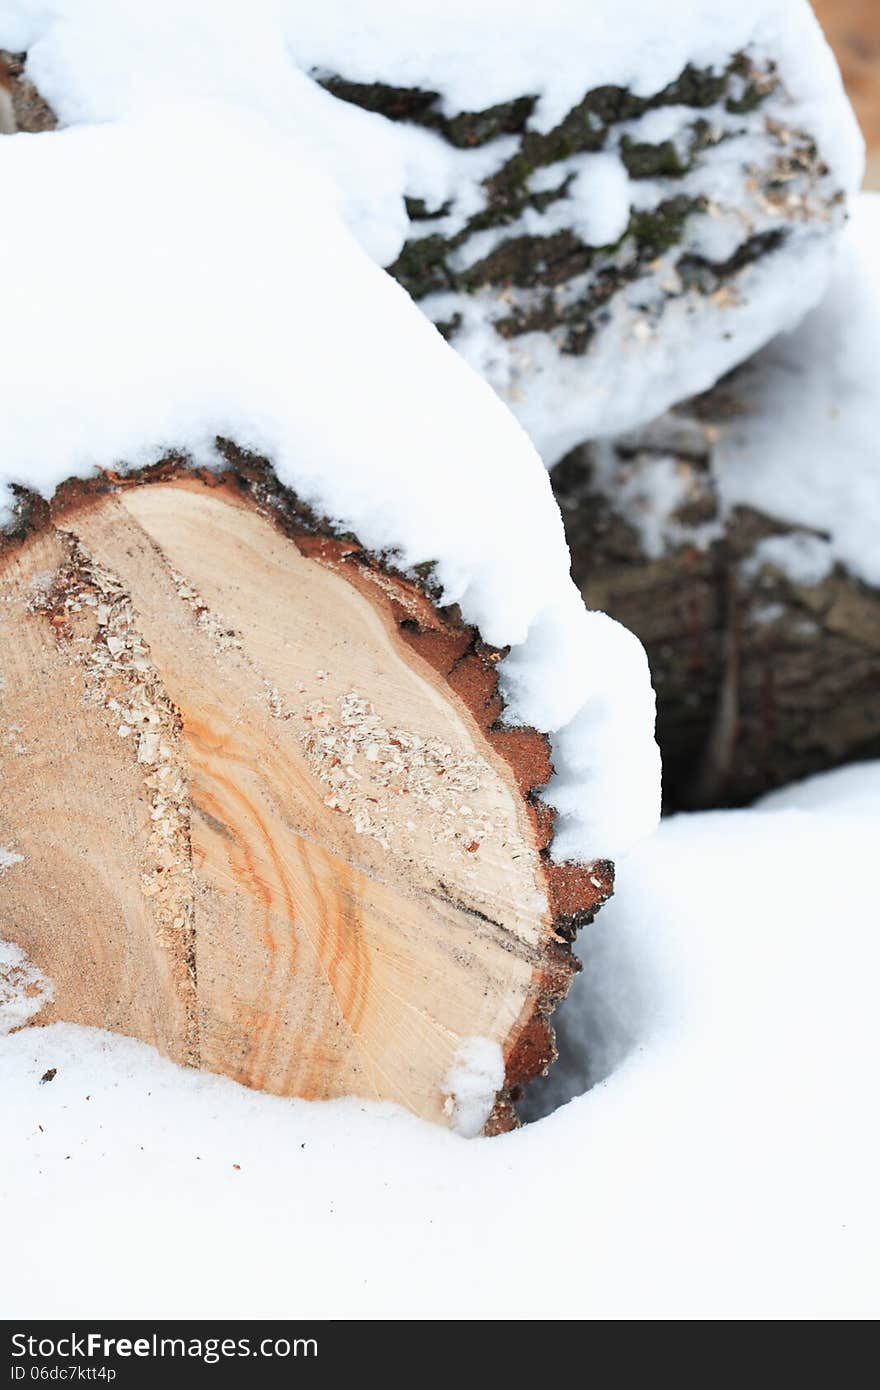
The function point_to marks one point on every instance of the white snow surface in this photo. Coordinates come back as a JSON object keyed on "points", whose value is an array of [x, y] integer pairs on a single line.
{"points": [[807, 448], [725, 1165], [802, 557], [854, 790], [23, 988], [187, 276], [475, 1078]]}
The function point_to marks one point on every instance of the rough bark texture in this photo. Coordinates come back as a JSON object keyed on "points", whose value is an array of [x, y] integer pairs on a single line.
{"points": [[555, 283], [759, 681], [319, 881]]}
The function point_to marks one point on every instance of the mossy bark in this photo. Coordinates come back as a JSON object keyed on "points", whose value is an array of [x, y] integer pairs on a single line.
{"points": [[556, 283]]}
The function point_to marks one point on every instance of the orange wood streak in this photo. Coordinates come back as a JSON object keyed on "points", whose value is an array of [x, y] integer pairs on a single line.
{"points": [[298, 883]]}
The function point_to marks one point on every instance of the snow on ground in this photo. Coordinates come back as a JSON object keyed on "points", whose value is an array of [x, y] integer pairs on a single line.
{"points": [[724, 1165], [118, 61], [854, 790], [807, 449], [23, 988]]}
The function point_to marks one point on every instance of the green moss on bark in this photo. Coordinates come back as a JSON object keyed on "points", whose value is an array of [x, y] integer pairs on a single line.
{"points": [[538, 267]]}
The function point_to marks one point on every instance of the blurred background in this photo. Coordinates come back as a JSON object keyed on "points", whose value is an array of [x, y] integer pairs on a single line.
{"points": [[853, 29]]}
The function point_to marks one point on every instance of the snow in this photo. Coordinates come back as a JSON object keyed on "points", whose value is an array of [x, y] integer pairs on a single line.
{"points": [[803, 558], [648, 495], [645, 362], [597, 211], [8, 857], [600, 193], [724, 1163], [564, 47], [23, 988], [854, 790], [97, 61], [199, 282], [475, 1078], [163, 312], [795, 438], [94, 61], [806, 449]]}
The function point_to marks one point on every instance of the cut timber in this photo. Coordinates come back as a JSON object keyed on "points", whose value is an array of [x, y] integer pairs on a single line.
{"points": [[265, 814]]}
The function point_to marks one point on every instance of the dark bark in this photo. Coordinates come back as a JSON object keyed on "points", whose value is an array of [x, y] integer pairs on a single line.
{"points": [[759, 681]]}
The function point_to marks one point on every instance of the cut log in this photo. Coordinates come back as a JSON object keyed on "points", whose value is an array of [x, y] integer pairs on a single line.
{"points": [[260, 806]]}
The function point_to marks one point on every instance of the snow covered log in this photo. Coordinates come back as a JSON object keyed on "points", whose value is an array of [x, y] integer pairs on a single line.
{"points": [[738, 537], [605, 205], [266, 814], [657, 198]]}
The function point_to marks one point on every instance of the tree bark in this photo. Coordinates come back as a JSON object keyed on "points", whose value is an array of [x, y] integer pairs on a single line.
{"points": [[259, 804], [517, 277], [508, 273], [760, 681]]}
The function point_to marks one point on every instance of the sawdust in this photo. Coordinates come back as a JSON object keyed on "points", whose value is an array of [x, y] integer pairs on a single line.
{"points": [[386, 779], [92, 616], [223, 636]]}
